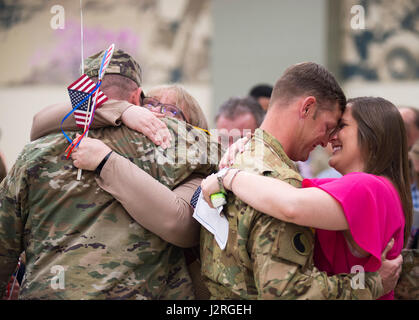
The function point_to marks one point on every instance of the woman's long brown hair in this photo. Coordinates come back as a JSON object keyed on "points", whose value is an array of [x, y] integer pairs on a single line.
{"points": [[383, 141]]}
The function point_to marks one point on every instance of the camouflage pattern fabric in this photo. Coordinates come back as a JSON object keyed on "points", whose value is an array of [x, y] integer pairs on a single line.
{"points": [[77, 227], [408, 286], [121, 63], [266, 258]]}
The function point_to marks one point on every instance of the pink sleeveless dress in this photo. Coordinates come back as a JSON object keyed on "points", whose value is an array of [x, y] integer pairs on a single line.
{"points": [[374, 213]]}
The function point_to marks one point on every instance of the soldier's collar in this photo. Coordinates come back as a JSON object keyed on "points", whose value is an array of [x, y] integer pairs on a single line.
{"points": [[275, 145]]}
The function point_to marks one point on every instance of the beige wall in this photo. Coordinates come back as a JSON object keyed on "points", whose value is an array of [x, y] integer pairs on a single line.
{"points": [[399, 93], [18, 106], [255, 41]]}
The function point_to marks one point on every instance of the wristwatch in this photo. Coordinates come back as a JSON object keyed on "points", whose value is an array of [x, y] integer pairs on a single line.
{"points": [[220, 177]]}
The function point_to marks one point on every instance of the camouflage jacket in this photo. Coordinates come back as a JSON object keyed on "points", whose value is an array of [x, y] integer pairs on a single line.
{"points": [[79, 241], [266, 258], [408, 286]]}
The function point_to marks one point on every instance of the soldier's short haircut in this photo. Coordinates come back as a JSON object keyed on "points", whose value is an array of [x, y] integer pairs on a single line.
{"points": [[236, 106], [309, 78], [117, 87]]}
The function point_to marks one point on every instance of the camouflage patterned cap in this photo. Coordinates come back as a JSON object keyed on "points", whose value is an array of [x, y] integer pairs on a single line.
{"points": [[121, 63]]}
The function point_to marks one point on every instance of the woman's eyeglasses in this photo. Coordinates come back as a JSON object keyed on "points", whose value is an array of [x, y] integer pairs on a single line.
{"points": [[169, 110]]}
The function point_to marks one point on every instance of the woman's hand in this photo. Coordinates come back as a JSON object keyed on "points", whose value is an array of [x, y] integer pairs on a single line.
{"points": [[144, 121], [89, 153], [228, 158]]}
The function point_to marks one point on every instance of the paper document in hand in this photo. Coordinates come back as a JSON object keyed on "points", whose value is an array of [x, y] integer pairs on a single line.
{"points": [[212, 220]]}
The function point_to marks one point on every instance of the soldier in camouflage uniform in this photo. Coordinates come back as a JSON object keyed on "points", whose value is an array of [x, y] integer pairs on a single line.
{"points": [[79, 241], [266, 258]]}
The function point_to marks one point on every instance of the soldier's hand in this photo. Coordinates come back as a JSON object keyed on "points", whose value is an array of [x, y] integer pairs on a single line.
{"points": [[89, 153], [209, 186], [390, 269], [228, 158], [144, 121]]}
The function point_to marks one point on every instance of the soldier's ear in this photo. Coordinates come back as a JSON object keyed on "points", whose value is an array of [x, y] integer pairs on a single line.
{"points": [[307, 106], [135, 97]]}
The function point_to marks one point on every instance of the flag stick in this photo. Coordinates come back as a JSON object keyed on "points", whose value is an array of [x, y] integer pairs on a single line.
{"points": [[81, 38], [14, 280], [82, 72], [79, 171]]}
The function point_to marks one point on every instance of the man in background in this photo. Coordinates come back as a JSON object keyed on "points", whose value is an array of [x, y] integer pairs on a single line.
{"points": [[410, 117], [408, 285], [262, 93], [236, 117]]}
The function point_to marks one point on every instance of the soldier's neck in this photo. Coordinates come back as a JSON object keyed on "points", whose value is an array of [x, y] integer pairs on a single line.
{"points": [[279, 125]]}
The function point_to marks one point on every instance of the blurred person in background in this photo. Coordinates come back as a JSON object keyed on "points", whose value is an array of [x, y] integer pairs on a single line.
{"points": [[414, 158], [237, 117], [410, 117], [329, 172], [262, 93], [408, 285]]}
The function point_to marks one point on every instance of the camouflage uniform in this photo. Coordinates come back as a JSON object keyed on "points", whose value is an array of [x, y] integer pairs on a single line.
{"points": [[408, 285], [266, 258], [59, 221]]}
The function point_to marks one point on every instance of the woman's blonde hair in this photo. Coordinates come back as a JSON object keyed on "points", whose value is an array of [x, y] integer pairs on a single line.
{"points": [[188, 104]]}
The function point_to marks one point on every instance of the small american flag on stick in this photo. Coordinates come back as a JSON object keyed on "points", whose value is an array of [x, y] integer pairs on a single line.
{"points": [[78, 91]]}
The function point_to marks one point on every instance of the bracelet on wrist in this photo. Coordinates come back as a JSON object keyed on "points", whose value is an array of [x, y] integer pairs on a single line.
{"points": [[98, 169], [230, 186]]}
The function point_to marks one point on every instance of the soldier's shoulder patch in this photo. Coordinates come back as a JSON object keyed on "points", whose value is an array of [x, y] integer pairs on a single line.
{"points": [[301, 243], [293, 243]]}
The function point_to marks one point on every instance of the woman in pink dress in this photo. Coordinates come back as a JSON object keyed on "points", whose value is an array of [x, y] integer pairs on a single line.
{"points": [[357, 215]]}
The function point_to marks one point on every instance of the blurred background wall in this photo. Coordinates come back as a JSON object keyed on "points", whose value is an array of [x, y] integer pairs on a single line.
{"points": [[39, 57], [255, 41], [215, 48]]}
